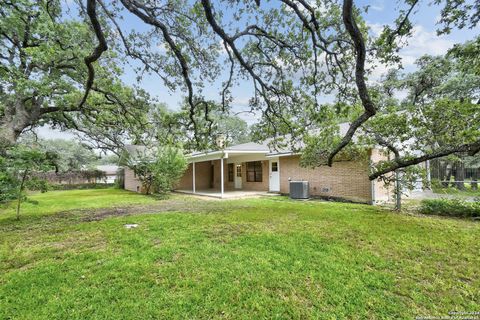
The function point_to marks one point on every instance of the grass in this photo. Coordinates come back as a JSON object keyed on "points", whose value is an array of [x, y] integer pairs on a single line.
{"points": [[256, 258], [468, 192], [58, 201]]}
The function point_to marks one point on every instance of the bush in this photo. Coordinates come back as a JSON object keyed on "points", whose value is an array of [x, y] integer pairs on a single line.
{"points": [[450, 207], [161, 171], [81, 186], [8, 186]]}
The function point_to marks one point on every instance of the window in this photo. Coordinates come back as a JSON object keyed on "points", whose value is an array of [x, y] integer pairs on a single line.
{"points": [[239, 170], [254, 171], [274, 166], [230, 172]]}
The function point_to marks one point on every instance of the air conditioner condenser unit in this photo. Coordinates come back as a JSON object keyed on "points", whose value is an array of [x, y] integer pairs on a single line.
{"points": [[299, 190]]}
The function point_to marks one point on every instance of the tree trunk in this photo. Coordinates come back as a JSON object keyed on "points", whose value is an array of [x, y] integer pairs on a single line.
{"points": [[448, 175], [438, 169], [474, 183], [398, 191], [20, 190], [16, 117], [8, 136], [442, 171], [460, 176]]}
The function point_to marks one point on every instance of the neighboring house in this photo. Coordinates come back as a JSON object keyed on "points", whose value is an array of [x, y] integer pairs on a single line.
{"points": [[253, 166], [110, 173]]}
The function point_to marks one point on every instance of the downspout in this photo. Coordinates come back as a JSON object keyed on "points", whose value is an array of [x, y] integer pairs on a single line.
{"points": [[372, 182], [193, 177], [372, 186]]}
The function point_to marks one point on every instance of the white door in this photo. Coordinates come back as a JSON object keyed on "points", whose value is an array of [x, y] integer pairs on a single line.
{"points": [[274, 180], [238, 176]]}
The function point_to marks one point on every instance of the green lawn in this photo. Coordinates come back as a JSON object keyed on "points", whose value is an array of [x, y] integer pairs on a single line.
{"points": [[246, 259], [468, 192]]}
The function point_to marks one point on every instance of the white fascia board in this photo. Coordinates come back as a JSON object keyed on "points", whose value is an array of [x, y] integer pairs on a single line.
{"points": [[247, 152], [285, 154], [216, 155], [208, 156]]}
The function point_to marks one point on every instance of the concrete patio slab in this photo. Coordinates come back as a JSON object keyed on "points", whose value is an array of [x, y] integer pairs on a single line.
{"points": [[228, 194]]}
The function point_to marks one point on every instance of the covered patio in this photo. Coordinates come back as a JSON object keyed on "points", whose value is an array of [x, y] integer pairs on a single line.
{"points": [[241, 171]]}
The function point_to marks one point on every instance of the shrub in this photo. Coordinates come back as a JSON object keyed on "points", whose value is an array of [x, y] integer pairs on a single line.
{"points": [[81, 186], [450, 207], [8, 186], [160, 171]]}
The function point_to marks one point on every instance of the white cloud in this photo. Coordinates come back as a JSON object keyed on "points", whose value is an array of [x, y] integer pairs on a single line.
{"points": [[46, 132], [424, 42], [378, 5], [376, 28], [421, 42], [241, 102], [162, 47]]}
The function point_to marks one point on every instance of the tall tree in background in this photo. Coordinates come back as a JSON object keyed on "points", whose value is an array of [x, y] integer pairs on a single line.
{"points": [[50, 73], [173, 127], [72, 155]]}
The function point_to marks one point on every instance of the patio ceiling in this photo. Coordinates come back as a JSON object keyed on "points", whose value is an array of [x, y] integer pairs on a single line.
{"points": [[216, 155]]}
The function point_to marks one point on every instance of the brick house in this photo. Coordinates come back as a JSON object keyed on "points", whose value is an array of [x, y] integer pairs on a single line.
{"points": [[254, 167]]}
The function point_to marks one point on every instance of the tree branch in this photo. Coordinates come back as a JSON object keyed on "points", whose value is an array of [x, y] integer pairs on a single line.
{"points": [[97, 52], [360, 52], [470, 148]]}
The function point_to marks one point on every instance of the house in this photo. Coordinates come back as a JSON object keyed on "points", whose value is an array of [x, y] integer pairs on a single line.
{"points": [[254, 167], [110, 173]]}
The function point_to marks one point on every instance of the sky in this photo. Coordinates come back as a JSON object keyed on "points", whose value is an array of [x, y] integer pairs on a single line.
{"points": [[381, 12]]}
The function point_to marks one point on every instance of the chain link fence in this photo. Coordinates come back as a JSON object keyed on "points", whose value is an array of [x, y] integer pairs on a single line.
{"points": [[461, 173]]}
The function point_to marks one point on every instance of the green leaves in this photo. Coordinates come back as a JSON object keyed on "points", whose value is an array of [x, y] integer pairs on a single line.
{"points": [[158, 171], [17, 168]]}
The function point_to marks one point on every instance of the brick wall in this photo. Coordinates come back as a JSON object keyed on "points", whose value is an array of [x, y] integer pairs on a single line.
{"points": [[202, 177], [383, 193], [216, 173], [256, 186], [230, 185], [346, 179], [131, 182]]}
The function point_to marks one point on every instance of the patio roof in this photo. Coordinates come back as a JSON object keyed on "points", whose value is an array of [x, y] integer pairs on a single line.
{"points": [[249, 148]]}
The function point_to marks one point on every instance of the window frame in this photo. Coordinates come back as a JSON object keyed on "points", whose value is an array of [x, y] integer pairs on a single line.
{"points": [[230, 172], [255, 167], [276, 166], [238, 171]]}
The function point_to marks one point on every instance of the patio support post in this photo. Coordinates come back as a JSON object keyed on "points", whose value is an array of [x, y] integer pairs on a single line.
{"points": [[193, 178], [221, 177]]}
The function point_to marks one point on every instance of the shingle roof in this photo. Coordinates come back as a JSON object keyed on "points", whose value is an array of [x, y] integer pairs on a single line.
{"points": [[249, 146], [108, 169], [138, 150]]}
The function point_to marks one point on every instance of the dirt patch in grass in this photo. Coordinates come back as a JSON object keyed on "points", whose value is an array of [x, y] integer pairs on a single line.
{"points": [[226, 232], [173, 205]]}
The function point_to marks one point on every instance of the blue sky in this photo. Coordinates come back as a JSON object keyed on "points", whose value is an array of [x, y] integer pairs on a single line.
{"points": [[381, 12]]}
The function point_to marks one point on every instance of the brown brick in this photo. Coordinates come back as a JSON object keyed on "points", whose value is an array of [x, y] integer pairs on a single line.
{"points": [[131, 182], [383, 193], [202, 176], [346, 179]]}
